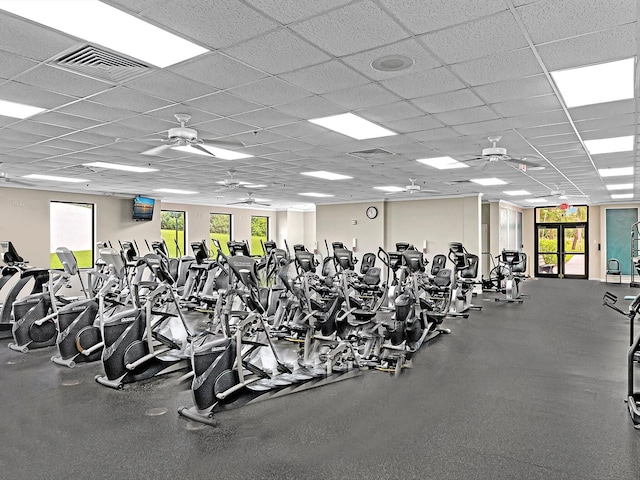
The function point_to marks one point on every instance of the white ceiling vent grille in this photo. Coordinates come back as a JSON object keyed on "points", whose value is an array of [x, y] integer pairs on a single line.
{"points": [[101, 64], [374, 152]]}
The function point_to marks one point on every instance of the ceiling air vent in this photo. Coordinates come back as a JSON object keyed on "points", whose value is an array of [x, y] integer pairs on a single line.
{"points": [[101, 64], [374, 152]]}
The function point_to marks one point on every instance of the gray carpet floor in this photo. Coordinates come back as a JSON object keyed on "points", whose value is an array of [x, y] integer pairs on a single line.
{"points": [[530, 391]]}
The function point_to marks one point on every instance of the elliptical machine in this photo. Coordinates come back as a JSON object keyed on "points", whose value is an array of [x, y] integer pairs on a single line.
{"points": [[513, 274], [14, 266], [79, 339], [148, 339]]}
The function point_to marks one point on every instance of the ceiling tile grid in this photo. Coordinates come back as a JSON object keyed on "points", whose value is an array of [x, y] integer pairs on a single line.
{"points": [[273, 65]]}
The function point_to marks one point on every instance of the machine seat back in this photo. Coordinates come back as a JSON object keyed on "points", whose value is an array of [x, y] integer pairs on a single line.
{"points": [[368, 261], [471, 270], [414, 261], [438, 263]]}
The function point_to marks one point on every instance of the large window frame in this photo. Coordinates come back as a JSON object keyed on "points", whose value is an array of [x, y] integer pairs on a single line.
{"points": [[259, 232], [173, 227], [217, 223], [64, 232]]}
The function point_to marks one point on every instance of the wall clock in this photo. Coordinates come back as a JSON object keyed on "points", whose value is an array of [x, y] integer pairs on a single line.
{"points": [[372, 212]]}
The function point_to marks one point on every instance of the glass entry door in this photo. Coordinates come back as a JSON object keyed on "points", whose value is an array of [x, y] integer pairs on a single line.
{"points": [[561, 251]]}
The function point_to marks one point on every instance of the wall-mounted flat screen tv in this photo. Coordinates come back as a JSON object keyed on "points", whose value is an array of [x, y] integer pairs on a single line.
{"points": [[143, 208]]}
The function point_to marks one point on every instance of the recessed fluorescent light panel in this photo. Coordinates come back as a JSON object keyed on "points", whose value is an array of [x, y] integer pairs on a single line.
{"points": [[118, 166], [18, 110], [352, 126], [515, 193], [615, 172], [610, 145], [620, 186], [536, 200], [390, 189], [605, 82], [326, 175], [619, 196], [100, 23], [313, 194], [218, 152], [36, 176], [442, 163], [488, 181], [173, 190]]}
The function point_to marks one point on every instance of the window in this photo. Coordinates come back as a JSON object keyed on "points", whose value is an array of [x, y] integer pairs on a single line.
{"points": [[558, 215], [71, 226], [173, 231], [510, 229], [259, 232], [220, 229]]}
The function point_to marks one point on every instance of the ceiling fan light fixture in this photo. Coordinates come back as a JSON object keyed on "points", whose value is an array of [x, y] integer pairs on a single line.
{"points": [[536, 200], [621, 196], [53, 178], [390, 189], [176, 191], [327, 175], [615, 172], [94, 21], [118, 166], [314, 194], [514, 193]]}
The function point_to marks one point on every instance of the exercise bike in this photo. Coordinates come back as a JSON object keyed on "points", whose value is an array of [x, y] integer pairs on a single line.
{"points": [[465, 272]]}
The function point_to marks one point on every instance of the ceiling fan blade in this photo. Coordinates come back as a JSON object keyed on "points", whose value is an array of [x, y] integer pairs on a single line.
{"points": [[202, 149], [157, 150], [222, 143], [523, 161], [240, 203], [262, 204], [471, 158]]}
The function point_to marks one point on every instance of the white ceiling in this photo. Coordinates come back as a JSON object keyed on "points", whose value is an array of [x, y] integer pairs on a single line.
{"points": [[481, 68]]}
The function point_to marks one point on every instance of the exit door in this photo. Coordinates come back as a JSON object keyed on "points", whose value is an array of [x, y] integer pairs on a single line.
{"points": [[561, 250]]}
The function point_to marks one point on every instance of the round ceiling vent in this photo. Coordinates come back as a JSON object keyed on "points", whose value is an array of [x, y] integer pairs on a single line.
{"points": [[392, 63]]}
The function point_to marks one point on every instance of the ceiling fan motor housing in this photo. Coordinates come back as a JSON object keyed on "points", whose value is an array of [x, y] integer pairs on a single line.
{"points": [[412, 188], [183, 133], [494, 151]]}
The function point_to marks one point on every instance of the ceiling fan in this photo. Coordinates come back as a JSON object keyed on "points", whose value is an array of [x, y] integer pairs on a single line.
{"points": [[250, 201], [232, 184], [562, 194], [184, 136], [494, 153], [412, 189]]}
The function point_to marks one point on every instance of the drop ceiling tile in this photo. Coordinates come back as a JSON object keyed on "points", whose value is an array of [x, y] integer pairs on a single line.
{"points": [[115, 131], [169, 86], [167, 115], [411, 48], [68, 121], [325, 77], [22, 137], [621, 131], [562, 148], [362, 96], [66, 144], [435, 134], [424, 122], [390, 112], [263, 137], [628, 119], [547, 131], [267, 117], [270, 91], [96, 111], [503, 66], [443, 102], [288, 11], [14, 64], [550, 20], [299, 129], [42, 129], [351, 29], [22, 93], [277, 52], [514, 89], [123, 97], [89, 138], [420, 16], [62, 81], [603, 110], [553, 140], [421, 84], [466, 115], [31, 40], [514, 108], [539, 119], [218, 70], [291, 145], [490, 127], [218, 24], [224, 126], [148, 124], [614, 44], [479, 38], [223, 104], [310, 107]]}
